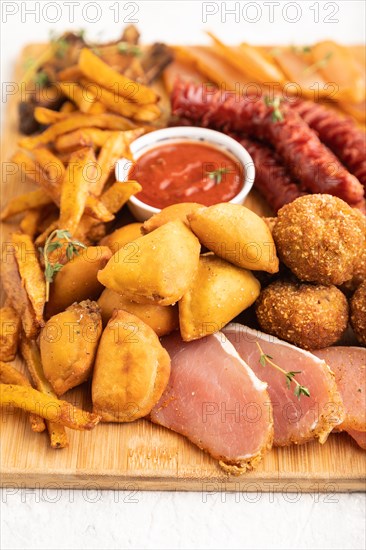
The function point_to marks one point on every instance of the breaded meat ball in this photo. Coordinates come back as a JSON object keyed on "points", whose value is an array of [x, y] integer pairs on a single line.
{"points": [[309, 316], [358, 313], [320, 238]]}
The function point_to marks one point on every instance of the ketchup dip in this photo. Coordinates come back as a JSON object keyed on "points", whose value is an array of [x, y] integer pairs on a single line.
{"points": [[187, 171]]}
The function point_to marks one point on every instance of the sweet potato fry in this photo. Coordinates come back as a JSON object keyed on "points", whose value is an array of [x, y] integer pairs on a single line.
{"points": [[122, 106], [10, 375], [119, 193], [75, 121], [30, 272], [16, 292], [22, 203], [116, 147], [9, 333], [32, 357], [97, 71], [249, 61], [79, 178], [50, 408], [337, 65]]}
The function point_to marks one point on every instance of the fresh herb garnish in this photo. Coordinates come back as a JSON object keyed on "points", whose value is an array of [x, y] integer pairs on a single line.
{"points": [[318, 64], [41, 79], [50, 269], [131, 49], [289, 375], [60, 45], [277, 116], [216, 175], [301, 49]]}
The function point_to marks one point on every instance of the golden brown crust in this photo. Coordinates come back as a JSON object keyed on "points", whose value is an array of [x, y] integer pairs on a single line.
{"points": [[358, 313], [319, 237], [309, 316]]}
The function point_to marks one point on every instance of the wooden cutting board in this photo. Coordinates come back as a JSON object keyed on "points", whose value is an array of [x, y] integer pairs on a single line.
{"points": [[142, 456]]}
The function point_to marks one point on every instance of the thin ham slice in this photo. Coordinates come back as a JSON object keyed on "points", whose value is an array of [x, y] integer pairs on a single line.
{"points": [[295, 420], [349, 367], [215, 400]]}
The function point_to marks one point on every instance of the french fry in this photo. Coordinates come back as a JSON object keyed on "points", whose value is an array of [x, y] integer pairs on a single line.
{"points": [[96, 209], [30, 272], [119, 193], [31, 222], [67, 107], [75, 188], [99, 72], [75, 121], [249, 61], [70, 74], [86, 137], [16, 292], [115, 147], [22, 203], [9, 333], [32, 357], [9, 375], [50, 408], [78, 95], [123, 107], [338, 66], [42, 237], [52, 172], [48, 116]]}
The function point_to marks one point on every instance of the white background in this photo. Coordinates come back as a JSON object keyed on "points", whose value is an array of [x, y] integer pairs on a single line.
{"points": [[91, 519]]}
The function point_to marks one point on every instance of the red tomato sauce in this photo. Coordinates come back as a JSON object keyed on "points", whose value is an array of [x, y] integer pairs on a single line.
{"points": [[186, 172]]}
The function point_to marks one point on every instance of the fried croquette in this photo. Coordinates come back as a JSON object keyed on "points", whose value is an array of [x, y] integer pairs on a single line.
{"points": [[358, 313], [309, 316], [319, 237]]}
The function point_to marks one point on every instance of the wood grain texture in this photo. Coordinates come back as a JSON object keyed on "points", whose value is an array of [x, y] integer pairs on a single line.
{"points": [[142, 456]]}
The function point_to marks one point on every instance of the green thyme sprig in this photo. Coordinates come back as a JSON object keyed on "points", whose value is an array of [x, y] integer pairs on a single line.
{"points": [[318, 64], [277, 116], [130, 49], [289, 375], [52, 243], [216, 175]]}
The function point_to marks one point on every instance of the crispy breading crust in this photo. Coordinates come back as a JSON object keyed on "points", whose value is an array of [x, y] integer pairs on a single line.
{"points": [[358, 313]]}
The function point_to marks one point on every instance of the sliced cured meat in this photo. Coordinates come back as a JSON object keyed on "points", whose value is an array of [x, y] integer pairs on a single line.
{"points": [[359, 437], [349, 367], [295, 420], [215, 400]]}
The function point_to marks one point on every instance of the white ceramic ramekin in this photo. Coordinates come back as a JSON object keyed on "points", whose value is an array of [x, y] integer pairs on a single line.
{"points": [[143, 211]]}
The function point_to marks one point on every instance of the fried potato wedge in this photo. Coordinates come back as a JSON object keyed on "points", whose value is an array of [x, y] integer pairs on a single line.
{"points": [[78, 95], [86, 137], [74, 121], [31, 222], [156, 268], [131, 370], [219, 292], [16, 292], [237, 235], [77, 280], [32, 357], [79, 177], [48, 116], [99, 72], [22, 203], [116, 147], [162, 319], [10, 326], [118, 238], [31, 273], [68, 344], [118, 194], [170, 214], [55, 410], [10, 375]]}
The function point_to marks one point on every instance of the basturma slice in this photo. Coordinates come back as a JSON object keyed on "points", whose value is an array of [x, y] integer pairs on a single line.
{"points": [[295, 420], [349, 366], [215, 400]]}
